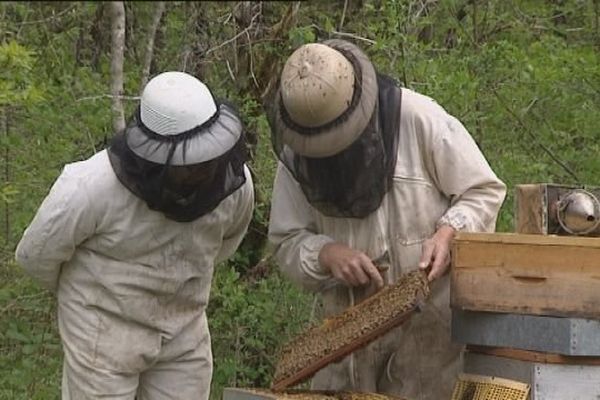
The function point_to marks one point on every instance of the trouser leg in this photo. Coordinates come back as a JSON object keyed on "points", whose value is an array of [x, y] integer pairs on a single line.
{"points": [[180, 372], [80, 382]]}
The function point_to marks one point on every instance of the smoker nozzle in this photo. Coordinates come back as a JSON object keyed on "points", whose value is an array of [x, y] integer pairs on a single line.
{"points": [[578, 212]]}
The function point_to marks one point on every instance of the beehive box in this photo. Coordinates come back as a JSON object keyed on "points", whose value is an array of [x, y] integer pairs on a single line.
{"points": [[560, 335], [548, 381], [264, 394], [526, 274], [342, 334]]}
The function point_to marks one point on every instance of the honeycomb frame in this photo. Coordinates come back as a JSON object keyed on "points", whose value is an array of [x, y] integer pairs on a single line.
{"points": [[350, 330]]}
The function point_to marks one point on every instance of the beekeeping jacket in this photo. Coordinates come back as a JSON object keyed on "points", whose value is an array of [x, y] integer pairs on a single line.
{"points": [[440, 177], [128, 279]]}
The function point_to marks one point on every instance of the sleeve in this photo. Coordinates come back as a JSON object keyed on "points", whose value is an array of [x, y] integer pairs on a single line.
{"points": [[241, 217], [63, 221], [292, 233], [463, 174]]}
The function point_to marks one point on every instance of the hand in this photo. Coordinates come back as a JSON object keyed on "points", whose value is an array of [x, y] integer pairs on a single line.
{"points": [[436, 252], [350, 266]]}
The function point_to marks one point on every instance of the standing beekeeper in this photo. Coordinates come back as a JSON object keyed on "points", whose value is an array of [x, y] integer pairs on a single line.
{"points": [[368, 170], [128, 240]]}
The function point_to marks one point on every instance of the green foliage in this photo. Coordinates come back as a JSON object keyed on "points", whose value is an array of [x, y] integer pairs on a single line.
{"points": [[30, 351], [249, 320], [16, 88], [301, 35]]}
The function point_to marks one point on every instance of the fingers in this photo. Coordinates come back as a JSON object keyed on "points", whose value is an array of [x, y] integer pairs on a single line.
{"points": [[426, 254], [350, 272], [355, 272], [372, 271], [350, 266], [440, 263]]}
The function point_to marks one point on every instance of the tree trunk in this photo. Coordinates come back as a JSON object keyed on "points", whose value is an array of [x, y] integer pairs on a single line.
{"points": [[6, 176], [597, 21], [268, 74], [243, 67], [98, 37], [158, 12], [117, 13]]}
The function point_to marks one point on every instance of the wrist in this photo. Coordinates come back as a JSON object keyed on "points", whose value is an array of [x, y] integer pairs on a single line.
{"points": [[445, 231], [324, 256], [454, 219]]}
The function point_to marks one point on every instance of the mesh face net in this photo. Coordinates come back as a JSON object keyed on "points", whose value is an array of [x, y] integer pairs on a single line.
{"points": [[181, 192], [352, 183]]}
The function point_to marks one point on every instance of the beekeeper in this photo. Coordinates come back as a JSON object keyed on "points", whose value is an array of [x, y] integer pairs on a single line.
{"points": [[128, 240], [369, 169]]}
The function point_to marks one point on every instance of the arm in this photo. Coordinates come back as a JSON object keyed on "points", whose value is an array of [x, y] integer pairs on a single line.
{"points": [[63, 221], [293, 233], [462, 173], [310, 259], [240, 219]]}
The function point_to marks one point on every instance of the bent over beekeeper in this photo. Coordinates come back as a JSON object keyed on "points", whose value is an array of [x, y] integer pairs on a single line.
{"points": [[128, 240], [369, 170]]}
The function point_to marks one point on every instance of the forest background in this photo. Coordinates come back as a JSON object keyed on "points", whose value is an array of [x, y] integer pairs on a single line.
{"points": [[523, 77]]}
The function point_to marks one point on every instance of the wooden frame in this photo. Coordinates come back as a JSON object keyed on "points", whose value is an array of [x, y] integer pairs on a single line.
{"points": [[526, 274]]}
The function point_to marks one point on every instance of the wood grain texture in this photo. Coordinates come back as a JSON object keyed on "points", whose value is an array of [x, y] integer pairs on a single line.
{"points": [[533, 356], [526, 274], [530, 209]]}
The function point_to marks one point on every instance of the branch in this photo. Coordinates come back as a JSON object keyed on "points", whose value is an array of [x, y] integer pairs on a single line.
{"points": [[269, 66], [58, 15], [158, 13], [233, 39], [108, 96], [353, 36], [116, 65], [231, 75], [533, 136], [345, 34], [343, 14], [252, 62]]}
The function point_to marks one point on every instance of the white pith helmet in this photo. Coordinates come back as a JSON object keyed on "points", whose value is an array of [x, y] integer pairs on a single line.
{"points": [[317, 84], [175, 102]]}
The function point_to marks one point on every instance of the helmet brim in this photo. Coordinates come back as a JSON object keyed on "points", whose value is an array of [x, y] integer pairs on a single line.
{"points": [[205, 143]]}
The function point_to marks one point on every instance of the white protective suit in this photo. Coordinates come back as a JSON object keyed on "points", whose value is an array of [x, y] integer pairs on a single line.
{"points": [[132, 285], [440, 176]]}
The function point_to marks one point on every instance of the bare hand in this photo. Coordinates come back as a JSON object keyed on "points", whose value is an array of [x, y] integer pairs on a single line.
{"points": [[436, 252], [350, 266]]}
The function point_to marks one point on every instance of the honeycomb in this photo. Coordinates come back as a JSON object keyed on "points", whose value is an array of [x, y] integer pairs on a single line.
{"points": [[355, 327], [320, 395], [478, 387]]}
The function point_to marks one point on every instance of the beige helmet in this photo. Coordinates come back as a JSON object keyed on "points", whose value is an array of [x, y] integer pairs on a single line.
{"points": [[328, 93], [317, 83]]}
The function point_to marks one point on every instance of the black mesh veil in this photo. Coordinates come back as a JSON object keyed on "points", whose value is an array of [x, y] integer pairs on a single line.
{"points": [[353, 182], [179, 187]]}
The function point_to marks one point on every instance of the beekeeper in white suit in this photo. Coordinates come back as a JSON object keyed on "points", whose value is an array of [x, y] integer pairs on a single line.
{"points": [[128, 240], [368, 170]]}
